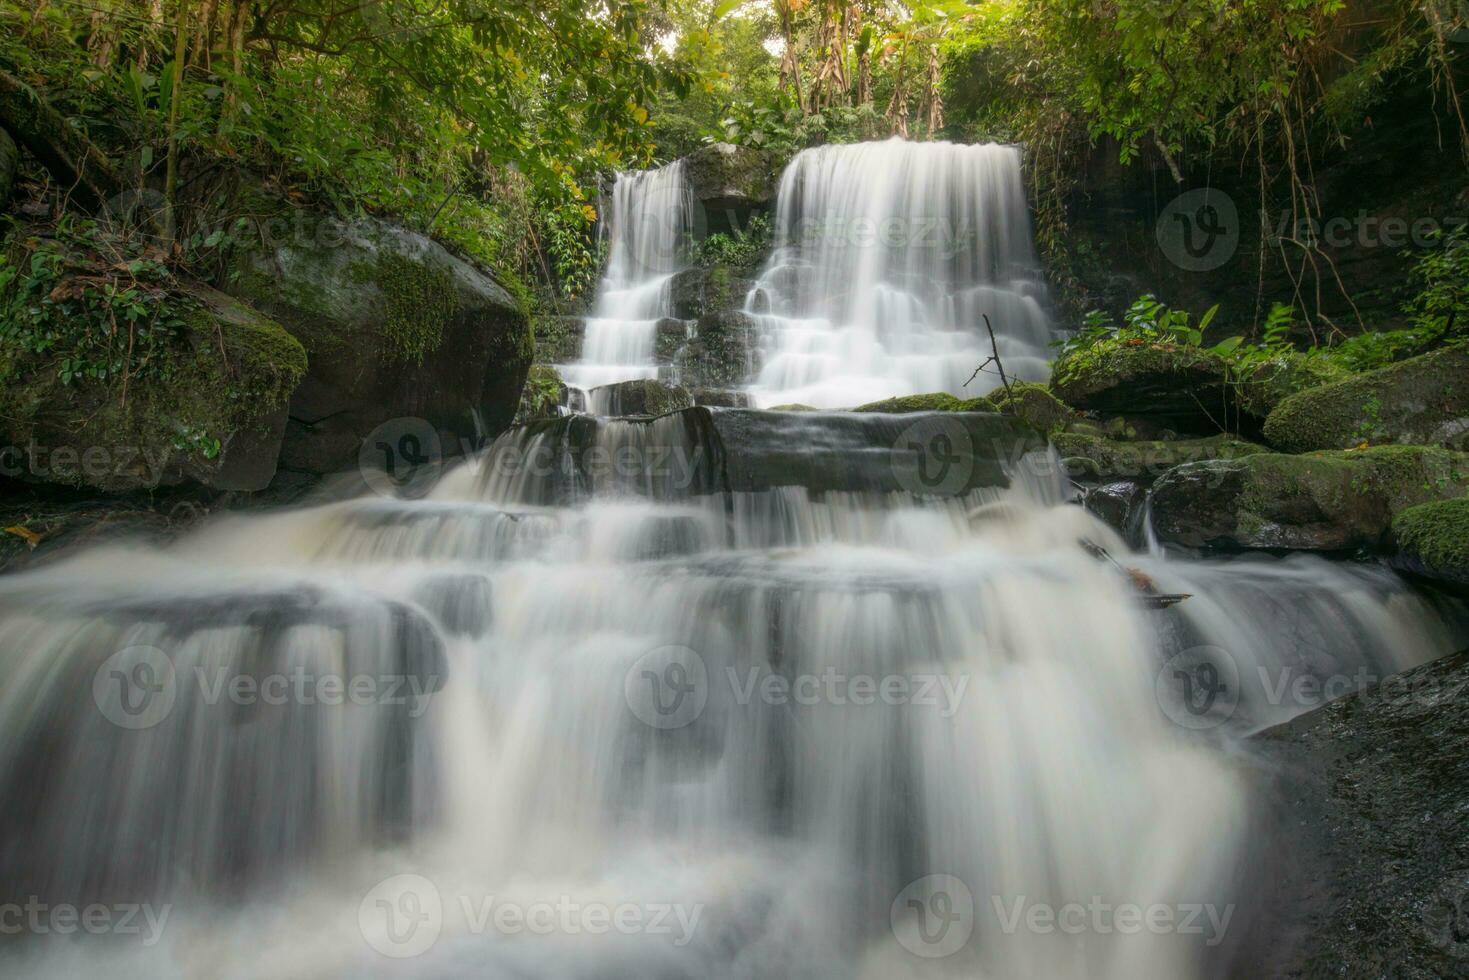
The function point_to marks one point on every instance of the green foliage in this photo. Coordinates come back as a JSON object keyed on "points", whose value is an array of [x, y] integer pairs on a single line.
{"points": [[742, 249], [92, 306], [1147, 321]]}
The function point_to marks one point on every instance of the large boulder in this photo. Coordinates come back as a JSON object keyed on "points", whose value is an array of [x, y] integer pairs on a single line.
{"points": [[731, 182], [395, 327], [216, 420], [1433, 541], [1180, 386], [1361, 848], [718, 356], [1423, 400], [1329, 501]]}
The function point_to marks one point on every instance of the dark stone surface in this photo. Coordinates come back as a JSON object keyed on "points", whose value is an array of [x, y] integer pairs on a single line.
{"points": [[718, 356], [1361, 858]]}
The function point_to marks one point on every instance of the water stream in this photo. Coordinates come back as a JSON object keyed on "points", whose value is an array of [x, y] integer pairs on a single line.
{"points": [[726, 693]]}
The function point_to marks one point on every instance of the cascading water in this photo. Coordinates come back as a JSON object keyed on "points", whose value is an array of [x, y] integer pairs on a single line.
{"points": [[888, 256], [662, 670], [723, 693], [649, 222]]}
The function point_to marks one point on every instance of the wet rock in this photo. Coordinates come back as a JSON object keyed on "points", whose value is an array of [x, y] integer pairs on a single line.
{"points": [[718, 356], [1119, 505], [462, 603], [559, 338], [1146, 460], [669, 337], [394, 327], [1182, 387], [697, 291], [1433, 541], [1330, 501], [721, 398], [1362, 856], [1423, 400], [642, 397], [934, 401]]}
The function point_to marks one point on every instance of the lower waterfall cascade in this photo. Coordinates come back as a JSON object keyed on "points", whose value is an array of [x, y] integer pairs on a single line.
{"points": [[630, 698]]}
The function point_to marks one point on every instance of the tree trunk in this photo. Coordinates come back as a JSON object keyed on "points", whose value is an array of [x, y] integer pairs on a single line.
{"points": [[79, 166]]}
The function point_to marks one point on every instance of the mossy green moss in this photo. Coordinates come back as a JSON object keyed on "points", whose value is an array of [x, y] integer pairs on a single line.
{"points": [[224, 379], [1105, 365], [935, 401], [419, 300], [1276, 380], [1435, 536], [1034, 405], [1423, 400]]}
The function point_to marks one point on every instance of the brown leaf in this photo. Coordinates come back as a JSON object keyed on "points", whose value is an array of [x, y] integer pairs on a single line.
{"points": [[24, 533]]}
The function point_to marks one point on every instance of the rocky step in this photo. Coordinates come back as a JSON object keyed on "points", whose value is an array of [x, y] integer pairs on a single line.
{"points": [[700, 450]]}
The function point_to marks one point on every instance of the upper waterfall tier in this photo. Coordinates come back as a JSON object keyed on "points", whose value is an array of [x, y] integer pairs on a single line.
{"points": [[888, 257], [648, 222]]}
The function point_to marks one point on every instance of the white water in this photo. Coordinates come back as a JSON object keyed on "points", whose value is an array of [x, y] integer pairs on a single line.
{"points": [[1041, 767], [887, 257], [649, 221]]}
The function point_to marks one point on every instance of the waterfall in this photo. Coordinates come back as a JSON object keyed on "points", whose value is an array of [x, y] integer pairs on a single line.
{"points": [[731, 678], [888, 257], [649, 227]]}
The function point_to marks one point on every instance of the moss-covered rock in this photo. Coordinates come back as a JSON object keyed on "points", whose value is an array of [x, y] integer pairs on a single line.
{"points": [[725, 178], [1033, 404], [395, 326], [793, 407], [1433, 540], [1271, 383], [214, 414], [1324, 501], [718, 355], [1144, 460], [698, 291], [642, 397], [1423, 400], [1180, 386], [934, 401], [543, 396], [559, 338]]}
